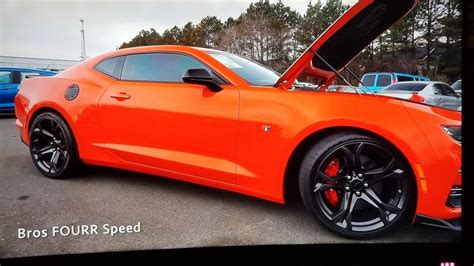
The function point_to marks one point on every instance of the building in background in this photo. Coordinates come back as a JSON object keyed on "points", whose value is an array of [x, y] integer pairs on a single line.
{"points": [[39, 63]]}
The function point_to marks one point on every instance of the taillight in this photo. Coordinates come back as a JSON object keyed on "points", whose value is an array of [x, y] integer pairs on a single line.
{"points": [[417, 98]]}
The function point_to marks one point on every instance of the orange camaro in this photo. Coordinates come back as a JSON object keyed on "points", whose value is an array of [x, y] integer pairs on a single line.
{"points": [[364, 164]]}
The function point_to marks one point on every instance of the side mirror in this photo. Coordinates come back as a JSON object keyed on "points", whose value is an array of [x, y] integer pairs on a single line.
{"points": [[201, 76]]}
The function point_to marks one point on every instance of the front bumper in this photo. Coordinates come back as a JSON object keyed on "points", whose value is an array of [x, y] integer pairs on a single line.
{"points": [[439, 188]]}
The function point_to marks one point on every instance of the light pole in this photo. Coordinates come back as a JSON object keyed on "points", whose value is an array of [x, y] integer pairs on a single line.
{"points": [[83, 42]]}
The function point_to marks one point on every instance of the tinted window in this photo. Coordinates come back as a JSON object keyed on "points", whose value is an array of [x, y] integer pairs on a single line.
{"points": [[447, 91], [437, 89], [111, 66], [405, 78], [384, 80], [368, 80], [158, 67], [252, 72], [5, 77], [405, 87]]}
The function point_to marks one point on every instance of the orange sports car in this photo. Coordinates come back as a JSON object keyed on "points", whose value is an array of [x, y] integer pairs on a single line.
{"points": [[364, 164]]}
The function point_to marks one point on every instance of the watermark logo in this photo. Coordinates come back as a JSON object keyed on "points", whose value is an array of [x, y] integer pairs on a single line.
{"points": [[448, 264]]}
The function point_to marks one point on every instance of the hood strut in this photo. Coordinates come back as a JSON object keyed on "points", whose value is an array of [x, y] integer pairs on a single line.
{"points": [[358, 79], [335, 71]]}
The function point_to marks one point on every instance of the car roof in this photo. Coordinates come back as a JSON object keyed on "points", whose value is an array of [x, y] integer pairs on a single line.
{"points": [[391, 73], [151, 48], [426, 82], [207, 49], [12, 68]]}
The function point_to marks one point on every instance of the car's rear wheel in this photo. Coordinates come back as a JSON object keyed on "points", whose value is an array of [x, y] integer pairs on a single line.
{"points": [[357, 186], [52, 146]]}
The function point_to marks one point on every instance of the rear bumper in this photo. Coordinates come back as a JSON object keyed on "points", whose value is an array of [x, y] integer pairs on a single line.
{"points": [[451, 224], [20, 127]]}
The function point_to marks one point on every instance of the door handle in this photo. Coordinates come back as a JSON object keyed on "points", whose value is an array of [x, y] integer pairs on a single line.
{"points": [[120, 96]]}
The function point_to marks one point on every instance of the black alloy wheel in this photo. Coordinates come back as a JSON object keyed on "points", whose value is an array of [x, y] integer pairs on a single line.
{"points": [[52, 146], [357, 186]]}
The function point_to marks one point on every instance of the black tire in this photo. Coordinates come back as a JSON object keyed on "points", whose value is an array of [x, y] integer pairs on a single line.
{"points": [[52, 146], [370, 174]]}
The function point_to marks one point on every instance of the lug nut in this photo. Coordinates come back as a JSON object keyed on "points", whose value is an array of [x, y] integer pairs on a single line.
{"points": [[366, 185], [359, 175], [348, 177], [358, 193], [347, 188]]}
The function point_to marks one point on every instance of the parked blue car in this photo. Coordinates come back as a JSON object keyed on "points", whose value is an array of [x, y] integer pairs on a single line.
{"points": [[10, 78], [378, 80]]}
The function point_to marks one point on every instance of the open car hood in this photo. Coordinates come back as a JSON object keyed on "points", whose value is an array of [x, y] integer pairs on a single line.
{"points": [[345, 39]]}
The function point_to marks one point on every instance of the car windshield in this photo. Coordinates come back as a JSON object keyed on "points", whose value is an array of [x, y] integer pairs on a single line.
{"points": [[456, 85], [405, 87], [252, 72]]}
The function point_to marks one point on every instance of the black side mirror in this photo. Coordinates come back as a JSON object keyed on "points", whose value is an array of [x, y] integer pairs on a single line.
{"points": [[201, 76]]}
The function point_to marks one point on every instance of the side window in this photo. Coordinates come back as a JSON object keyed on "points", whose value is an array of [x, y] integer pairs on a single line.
{"points": [[384, 80], [5, 77], [164, 67], [447, 91], [28, 75], [368, 80], [404, 78], [111, 66], [437, 89]]}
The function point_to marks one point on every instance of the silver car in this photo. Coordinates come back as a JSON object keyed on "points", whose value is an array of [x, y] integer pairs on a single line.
{"points": [[429, 92], [457, 86]]}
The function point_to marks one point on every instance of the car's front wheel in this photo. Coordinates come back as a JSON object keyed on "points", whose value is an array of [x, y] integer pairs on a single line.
{"points": [[52, 146], [357, 186]]}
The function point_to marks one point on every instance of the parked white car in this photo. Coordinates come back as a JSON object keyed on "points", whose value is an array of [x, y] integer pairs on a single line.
{"points": [[429, 92], [457, 86]]}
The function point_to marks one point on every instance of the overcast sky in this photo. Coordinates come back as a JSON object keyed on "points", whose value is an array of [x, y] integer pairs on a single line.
{"points": [[50, 28]]}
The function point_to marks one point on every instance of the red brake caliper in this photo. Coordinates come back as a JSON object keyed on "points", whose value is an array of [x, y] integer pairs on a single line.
{"points": [[331, 195]]}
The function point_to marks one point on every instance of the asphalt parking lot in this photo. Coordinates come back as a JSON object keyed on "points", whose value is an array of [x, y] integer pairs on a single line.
{"points": [[172, 214]]}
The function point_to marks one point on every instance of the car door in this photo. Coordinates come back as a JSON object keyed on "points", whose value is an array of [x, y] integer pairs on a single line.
{"points": [[383, 80], [150, 117], [437, 94], [449, 98], [9, 81], [368, 81]]}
